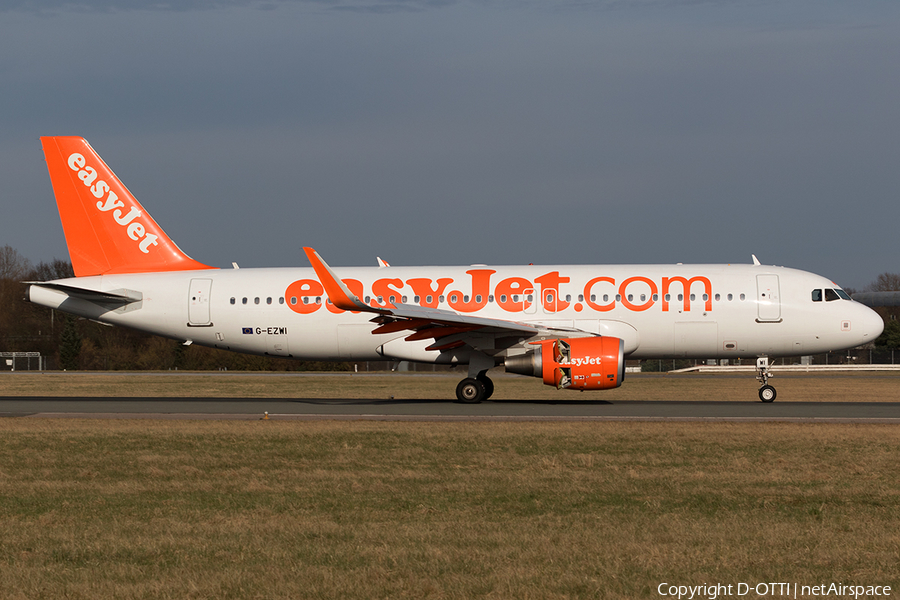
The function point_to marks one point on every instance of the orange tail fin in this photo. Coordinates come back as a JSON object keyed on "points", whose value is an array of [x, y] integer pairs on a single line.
{"points": [[107, 230]]}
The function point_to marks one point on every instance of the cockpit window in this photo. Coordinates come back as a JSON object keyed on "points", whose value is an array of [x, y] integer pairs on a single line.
{"points": [[830, 295]]}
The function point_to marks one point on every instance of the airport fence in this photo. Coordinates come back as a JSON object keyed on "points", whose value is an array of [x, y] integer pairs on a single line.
{"points": [[23, 361], [854, 356], [35, 361]]}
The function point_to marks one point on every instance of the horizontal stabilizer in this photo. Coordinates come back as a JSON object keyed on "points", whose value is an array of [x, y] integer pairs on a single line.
{"points": [[119, 297]]}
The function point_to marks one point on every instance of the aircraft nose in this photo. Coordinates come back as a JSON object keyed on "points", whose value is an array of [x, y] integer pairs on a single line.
{"points": [[867, 323]]}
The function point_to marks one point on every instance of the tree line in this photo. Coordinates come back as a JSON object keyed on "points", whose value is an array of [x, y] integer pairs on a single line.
{"points": [[890, 338], [73, 343]]}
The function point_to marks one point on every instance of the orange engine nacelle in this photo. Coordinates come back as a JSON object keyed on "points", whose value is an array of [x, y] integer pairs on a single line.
{"points": [[590, 363]]}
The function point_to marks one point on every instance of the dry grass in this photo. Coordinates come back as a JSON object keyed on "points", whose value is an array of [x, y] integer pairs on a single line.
{"points": [[174, 509], [792, 387]]}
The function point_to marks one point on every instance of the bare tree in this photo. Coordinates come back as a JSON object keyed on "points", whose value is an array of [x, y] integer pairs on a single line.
{"points": [[55, 269], [13, 265], [13, 268], [886, 282]]}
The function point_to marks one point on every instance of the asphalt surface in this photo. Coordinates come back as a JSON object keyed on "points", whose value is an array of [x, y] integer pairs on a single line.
{"points": [[433, 410]]}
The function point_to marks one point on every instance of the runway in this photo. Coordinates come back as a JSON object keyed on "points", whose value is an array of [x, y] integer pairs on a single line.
{"points": [[433, 410]]}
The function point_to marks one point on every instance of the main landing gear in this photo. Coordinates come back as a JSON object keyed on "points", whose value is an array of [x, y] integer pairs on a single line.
{"points": [[766, 392], [473, 390], [476, 387]]}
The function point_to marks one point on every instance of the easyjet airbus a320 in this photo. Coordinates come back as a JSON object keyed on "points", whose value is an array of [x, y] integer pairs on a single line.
{"points": [[571, 325]]}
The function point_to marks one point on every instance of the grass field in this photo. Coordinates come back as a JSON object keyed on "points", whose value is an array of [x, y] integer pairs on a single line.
{"points": [[263, 509], [792, 387], [267, 509]]}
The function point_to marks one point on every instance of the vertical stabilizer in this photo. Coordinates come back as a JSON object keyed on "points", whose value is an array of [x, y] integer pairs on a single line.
{"points": [[107, 230]]}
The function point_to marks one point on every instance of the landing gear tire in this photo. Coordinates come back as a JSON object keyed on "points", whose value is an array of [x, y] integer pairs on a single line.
{"points": [[471, 391], [488, 387], [766, 391]]}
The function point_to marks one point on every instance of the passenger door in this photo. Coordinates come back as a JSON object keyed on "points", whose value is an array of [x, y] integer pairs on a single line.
{"points": [[198, 306], [768, 300]]}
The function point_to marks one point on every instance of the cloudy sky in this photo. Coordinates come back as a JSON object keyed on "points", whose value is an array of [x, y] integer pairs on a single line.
{"points": [[482, 131]]}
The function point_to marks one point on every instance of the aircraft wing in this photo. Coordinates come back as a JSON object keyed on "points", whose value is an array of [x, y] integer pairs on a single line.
{"points": [[424, 322]]}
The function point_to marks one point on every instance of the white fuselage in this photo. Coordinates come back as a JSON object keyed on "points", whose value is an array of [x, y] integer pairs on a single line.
{"points": [[660, 311]]}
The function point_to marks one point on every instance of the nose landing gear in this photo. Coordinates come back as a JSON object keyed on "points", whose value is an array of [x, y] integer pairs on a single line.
{"points": [[766, 392]]}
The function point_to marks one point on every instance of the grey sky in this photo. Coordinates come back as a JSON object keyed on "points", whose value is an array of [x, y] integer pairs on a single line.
{"points": [[463, 132]]}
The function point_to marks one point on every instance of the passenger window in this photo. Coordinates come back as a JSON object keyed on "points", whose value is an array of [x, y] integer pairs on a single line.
{"points": [[269, 300], [243, 301], [232, 300], [817, 295], [831, 296], [293, 300]]}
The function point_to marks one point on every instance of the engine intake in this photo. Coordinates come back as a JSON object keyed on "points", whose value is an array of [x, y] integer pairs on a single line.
{"points": [[590, 363]]}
